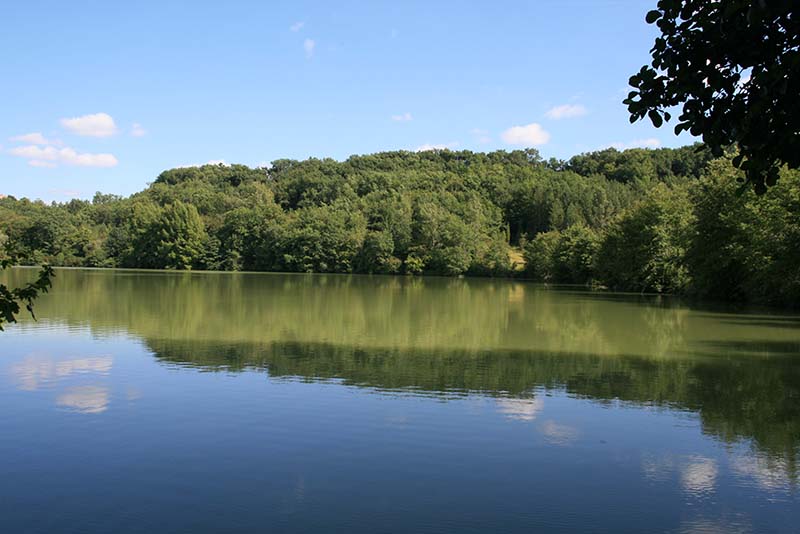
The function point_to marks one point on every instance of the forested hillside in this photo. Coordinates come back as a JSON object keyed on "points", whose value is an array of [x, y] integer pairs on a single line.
{"points": [[665, 220]]}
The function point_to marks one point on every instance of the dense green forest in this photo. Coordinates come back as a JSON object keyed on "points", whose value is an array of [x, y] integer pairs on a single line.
{"points": [[664, 220]]}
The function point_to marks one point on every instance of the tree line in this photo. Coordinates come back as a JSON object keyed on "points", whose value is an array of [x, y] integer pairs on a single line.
{"points": [[664, 220]]}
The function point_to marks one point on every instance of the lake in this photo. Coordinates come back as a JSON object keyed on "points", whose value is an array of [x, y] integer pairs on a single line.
{"points": [[201, 402]]}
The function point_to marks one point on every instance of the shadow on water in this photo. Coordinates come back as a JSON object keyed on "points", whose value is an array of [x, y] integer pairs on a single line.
{"points": [[592, 295], [768, 348], [769, 322]]}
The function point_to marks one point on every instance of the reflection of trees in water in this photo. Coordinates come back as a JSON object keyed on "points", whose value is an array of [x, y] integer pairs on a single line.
{"points": [[738, 372], [750, 399], [382, 311]]}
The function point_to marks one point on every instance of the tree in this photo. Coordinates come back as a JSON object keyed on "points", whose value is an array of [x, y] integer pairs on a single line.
{"points": [[576, 254], [563, 257], [734, 65], [377, 253], [324, 239], [645, 249], [180, 236], [685, 228], [11, 298], [745, 247], [539, 255]]}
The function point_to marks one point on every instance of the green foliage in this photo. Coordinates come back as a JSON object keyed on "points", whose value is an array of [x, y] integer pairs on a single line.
{"points": [[414, 264], [734, 66], [11, 298], [576, 254], [642, 165], [746, 247], [564, 257], [171, 237], [666, 220], [180, 236], [377, 253], [645, 249], [539, 254], [442, 238], [325, 239], [492, 257]]}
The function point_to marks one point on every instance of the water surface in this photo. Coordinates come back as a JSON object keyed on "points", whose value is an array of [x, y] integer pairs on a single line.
{"points": [[200, 402]]}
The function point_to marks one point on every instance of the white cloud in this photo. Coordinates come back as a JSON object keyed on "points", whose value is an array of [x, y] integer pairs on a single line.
{"points": [[39, 163], [137, 130], [650, 142], [531, 135], [50, 157], [405, 117], [35, 138], [297, 26], [566, 111], [443, 146], [308, 46], [95, 125]]}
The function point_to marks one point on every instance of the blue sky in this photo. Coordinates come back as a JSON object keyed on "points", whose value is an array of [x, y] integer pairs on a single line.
{"points": [[118, 92]]}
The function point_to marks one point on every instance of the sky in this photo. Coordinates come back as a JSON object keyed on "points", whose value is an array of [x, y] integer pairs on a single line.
{"points": [[103, 96]]}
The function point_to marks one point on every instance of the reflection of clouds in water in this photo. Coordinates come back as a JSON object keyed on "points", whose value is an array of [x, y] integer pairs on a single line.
{"points": [[558, 434], [132, 393], [769, 474], [296, 495], [396, 420], [657, 468], [519, 409], [85, 399], [300, 489], [710, 526], [38, 370], [699, 475]]}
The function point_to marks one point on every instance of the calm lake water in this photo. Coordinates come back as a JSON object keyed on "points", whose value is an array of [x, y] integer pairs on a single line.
{"points": [[202, 402]]}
